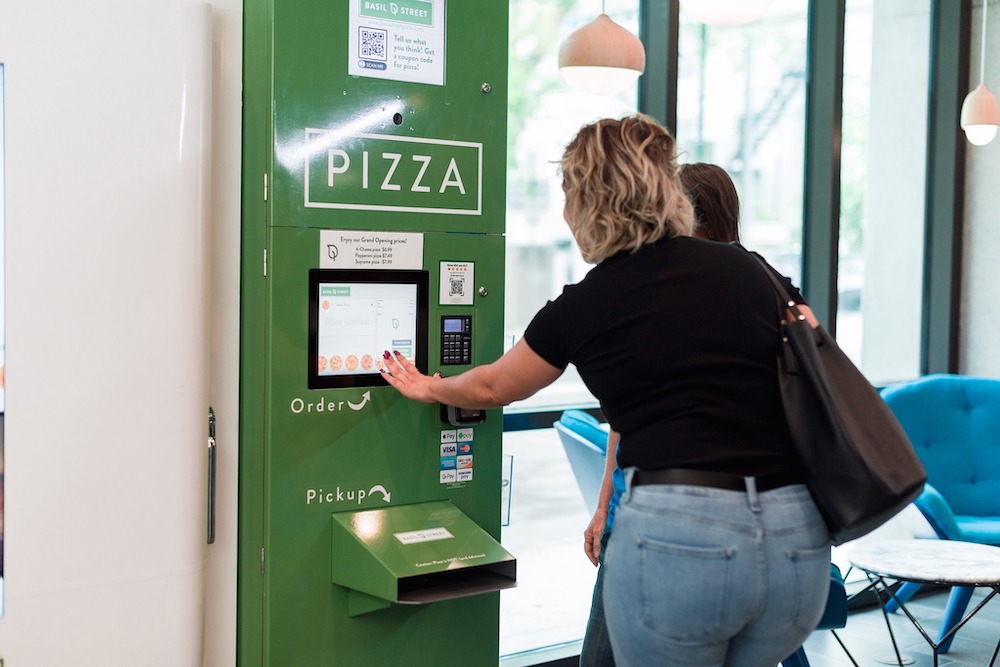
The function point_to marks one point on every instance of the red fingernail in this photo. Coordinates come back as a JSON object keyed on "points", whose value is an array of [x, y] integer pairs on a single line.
{"points": [[396, 352], [386, 355]]}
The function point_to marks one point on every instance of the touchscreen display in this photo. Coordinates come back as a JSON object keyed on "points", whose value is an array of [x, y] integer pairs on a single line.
{"points": [[355, 315], [357, 322]]}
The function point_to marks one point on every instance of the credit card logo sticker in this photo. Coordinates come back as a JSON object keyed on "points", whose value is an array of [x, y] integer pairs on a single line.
{"points": [[448, 436], [465, 475], [464, 462], [448, 476], [448, 463], [465, 448], [465, 435], [449, 450]]}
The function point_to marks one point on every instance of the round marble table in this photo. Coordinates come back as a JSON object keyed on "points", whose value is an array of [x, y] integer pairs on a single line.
{"points": [[943, 562]]}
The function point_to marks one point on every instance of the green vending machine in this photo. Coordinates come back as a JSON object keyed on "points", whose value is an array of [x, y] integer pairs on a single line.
{"points": [[374, 161]]}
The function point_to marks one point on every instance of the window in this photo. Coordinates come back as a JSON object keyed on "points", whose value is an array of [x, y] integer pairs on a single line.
{"points": [[741, 105], [544, 114], [882, 186], [545, 616]]}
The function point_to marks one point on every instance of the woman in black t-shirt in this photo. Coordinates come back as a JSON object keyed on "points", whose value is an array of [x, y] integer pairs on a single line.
{"points": [[718, 556]]}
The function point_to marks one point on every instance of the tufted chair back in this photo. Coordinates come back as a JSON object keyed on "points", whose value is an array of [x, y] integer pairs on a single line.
{"points": [[953, 422]]}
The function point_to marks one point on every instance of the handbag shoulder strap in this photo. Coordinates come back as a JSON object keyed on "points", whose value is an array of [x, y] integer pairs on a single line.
{"points": [[779, 287]]}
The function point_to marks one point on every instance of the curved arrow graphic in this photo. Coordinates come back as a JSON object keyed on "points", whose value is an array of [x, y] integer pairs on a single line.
{"points": [[357, 406], [378, 487]]}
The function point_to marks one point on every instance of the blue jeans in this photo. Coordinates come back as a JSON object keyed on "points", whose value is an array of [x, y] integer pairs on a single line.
{"points": [[596, 650], [698, 576]]}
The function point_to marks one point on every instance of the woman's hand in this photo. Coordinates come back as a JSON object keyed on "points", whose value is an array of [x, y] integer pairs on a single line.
{"points": [[592, 536], [404, 376], [514, 376]]}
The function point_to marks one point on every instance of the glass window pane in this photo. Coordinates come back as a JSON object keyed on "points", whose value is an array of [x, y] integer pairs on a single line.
{"points": [[546, 615], [741, 105], [883, 177], [544, 114], [555, 580]]}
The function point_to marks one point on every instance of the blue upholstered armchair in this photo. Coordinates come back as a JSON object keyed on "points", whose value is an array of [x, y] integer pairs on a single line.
{"points": [[953, 422], [585, 442]]}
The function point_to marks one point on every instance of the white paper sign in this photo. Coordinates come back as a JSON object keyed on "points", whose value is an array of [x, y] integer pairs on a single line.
{"points": [[456, 283], [370, 250], [401, 40]]}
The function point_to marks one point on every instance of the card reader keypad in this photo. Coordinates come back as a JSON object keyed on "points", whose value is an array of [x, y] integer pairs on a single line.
{"points": [[456, 340]]}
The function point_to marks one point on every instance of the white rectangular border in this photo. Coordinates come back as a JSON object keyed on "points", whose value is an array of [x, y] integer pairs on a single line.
{"points": [[309, 131]]}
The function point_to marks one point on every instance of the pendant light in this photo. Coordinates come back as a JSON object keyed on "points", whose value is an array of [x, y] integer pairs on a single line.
{"points": [[602, 57], [725, 12], [980, 111]]}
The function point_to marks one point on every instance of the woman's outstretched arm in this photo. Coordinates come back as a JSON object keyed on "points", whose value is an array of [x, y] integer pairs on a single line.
{"points": [[516, 375]]}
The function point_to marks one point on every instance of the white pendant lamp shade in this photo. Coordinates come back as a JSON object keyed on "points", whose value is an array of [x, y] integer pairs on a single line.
{"points": [[725, 12], [980, 116], [602, 57], [980, 112]]}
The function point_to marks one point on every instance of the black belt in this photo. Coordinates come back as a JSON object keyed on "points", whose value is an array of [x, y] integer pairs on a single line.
{"points": [[713, 479]]}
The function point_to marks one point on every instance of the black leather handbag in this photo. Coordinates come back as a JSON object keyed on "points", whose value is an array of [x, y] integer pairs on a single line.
{"points": [[861, 467]]}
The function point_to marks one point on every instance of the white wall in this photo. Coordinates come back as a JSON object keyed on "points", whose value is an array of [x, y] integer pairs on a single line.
{"points": [[220, 603], [980, 319], [108, 224]]}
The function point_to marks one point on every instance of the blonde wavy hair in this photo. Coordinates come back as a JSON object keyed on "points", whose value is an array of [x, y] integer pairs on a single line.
{"points": [[622, 187]]}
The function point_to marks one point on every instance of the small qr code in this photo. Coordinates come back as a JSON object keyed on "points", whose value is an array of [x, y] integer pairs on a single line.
{"points": [[373, 43], [457, 287]]}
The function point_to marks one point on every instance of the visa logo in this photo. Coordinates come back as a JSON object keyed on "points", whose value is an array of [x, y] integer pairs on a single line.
{"points": [[465, 448], [448, 463], [448, 450]]}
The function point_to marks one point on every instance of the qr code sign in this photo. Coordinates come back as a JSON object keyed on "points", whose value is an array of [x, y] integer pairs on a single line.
{"points": [[457, 287], [373, 43]]}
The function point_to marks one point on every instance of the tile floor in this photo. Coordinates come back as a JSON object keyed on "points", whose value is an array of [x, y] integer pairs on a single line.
{"points": [[868, 640]]}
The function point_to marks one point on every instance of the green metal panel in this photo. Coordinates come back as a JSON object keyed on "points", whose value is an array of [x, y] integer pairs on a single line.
{"points": [[317, 109], [408, 552], [325, 149], [256, 127]]}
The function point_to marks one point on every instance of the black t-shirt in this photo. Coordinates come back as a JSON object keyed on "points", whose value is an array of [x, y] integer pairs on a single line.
{"points": [[679, 343]]}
